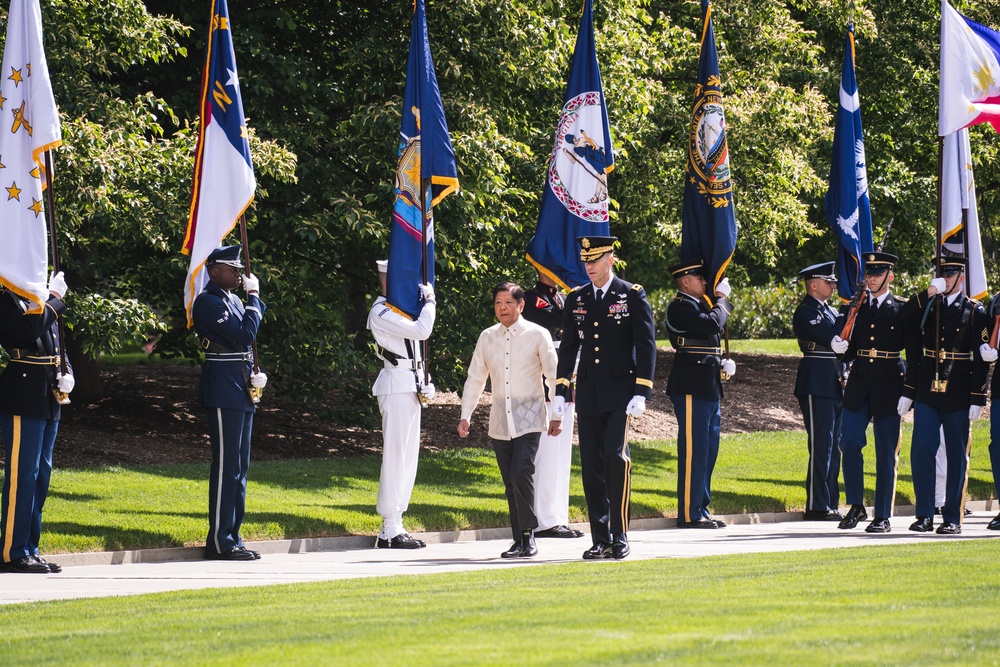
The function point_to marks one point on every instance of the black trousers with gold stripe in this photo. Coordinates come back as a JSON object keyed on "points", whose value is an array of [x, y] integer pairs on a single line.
{"points": [[28, 444], [607, 472]]}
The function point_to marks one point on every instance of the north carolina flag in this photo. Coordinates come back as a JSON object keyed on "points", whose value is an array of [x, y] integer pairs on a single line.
{"points": [[970, 73], [427, 161], [29, 126], [708, 220], [575, 198], [847, 208], [958, 192], [224, 183]]}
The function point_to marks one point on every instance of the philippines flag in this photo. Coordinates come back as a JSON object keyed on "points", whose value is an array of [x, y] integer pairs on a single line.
{"points": [[847, 207], [970, 73], [575, 199], [30, 129], [425, 174], [224, 182]]}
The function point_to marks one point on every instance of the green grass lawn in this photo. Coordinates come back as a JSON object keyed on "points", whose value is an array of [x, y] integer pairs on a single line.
{"points": [[157, 506], [927, 604], [786, 346]]}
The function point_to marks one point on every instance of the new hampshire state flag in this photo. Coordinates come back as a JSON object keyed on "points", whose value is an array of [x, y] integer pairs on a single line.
{"points": [[708, 222], [847, 207], [29, 127], [426, 163], [970, 73], [224, 182], [575, 198]]}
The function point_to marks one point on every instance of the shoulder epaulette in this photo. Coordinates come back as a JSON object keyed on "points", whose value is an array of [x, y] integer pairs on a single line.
{"points": [[901, 299], [577, 288], [636, 286]]}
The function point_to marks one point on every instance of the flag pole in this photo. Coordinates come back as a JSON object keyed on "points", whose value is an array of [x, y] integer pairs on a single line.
{"points": [[425, 184], [62, 397], [937, 386], [255, 392]]}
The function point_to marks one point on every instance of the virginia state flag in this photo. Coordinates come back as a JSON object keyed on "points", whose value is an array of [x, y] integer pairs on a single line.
{"points": [[426, 163], [575, 199], [708, 221], [970, 73], [959, 215], [224, 183], [847, 207], [30, 126]]}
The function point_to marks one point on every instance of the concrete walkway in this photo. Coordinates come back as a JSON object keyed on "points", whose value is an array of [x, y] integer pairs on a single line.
{"points": [[290, 561]]}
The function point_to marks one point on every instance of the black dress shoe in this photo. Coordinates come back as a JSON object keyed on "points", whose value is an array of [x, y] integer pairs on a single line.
{"points": [[994, 524], [599, 551], [236, 553], [923, 524], [401, 541], [513, 552], [700, 523], [54, 568], [26, 565], [255, 554], [967, 511], [528, 547], [620, 548], [719, 523], [949, 528], [822, 515], [854, 516], [877, 526], [559, 531]]}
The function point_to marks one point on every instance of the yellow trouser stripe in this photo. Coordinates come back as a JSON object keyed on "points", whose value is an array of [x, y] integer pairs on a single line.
{"points": [[965, 484], [627, 486], [895, 473], [688, 436], [15, 459]]}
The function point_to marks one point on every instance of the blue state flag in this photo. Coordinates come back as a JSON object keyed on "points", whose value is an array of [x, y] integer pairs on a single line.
{"points": [[425, 174], [575, 198], [847, 208], [708, 222]]}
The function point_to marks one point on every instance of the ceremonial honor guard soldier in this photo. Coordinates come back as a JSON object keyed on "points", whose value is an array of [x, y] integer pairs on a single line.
{"points": [[31, 390], [227, 387], [609, 321], [946, 387], [695, 387], [820, 394], [872, 393]]}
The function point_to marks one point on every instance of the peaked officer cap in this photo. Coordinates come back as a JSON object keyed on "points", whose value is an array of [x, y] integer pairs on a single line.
{"points": [[592, 247], [823, 271], [879, 262], [227, 254], [696, 266], [952, 264]]}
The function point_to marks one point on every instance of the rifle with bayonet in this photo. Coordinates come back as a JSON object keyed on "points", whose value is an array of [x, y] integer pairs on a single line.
{"points": [[860, 293]]}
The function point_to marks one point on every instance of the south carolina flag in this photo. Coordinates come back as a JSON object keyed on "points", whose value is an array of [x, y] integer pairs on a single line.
{"points": [[575, 199], [970, 73], [30, 127], [224, 183]]}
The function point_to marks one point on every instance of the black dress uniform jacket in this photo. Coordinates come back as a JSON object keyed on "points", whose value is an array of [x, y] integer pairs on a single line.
{"points": [[963, 329], [26, 388], [617, 344], [874, 378], [543, 305], [694, 329], [819, 370]]}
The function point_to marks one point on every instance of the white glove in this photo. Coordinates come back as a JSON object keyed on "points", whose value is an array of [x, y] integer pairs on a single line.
{"points": [[729, 367], [558, 406], [988, 354], [57, 284], [938, 284], [427, 291], [427, 390], [723, 289], [839, 345], [251, 284], [974, 412], [904, 405], [636, 406], [258, 380], [65, 382]]}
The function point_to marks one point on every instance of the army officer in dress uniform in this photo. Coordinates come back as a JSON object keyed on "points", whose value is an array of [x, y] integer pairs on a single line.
{"points": [[227, 330], [610, 323], [820, 394], [872, 392], [948, 384], [695, 388]]}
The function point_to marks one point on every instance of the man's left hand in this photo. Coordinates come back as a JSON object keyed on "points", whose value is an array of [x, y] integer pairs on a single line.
{"points": [[988, 353], [427, 390], [251, 284], [636, 406], [729, 367], [258, 380], [555, 427], [65, 382]]}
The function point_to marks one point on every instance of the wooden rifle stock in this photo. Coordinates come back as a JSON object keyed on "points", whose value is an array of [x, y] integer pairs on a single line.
{"points": [[852, 313]]}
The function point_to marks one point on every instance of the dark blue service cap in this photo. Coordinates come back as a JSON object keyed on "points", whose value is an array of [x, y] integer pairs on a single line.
{"points": [[592, 247], [879, 262], [823, 271], [953, 264], [227, 254], [695, 266]]}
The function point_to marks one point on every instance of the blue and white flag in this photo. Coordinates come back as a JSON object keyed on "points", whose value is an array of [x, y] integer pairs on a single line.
{"points": [[847, 208], [708, 220], [575, 198], [224, 182], [30, 127], [426, 161], [959, 214]]}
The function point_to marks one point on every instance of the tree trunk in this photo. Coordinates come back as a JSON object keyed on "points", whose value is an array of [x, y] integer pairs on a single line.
{"points": [[89, 386]]}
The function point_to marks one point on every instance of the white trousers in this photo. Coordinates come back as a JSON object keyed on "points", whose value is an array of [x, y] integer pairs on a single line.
{"points": [[400, 448], [552, 466]]}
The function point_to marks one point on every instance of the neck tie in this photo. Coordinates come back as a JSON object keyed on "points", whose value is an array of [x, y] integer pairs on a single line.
{"points": [[874, 305]]}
